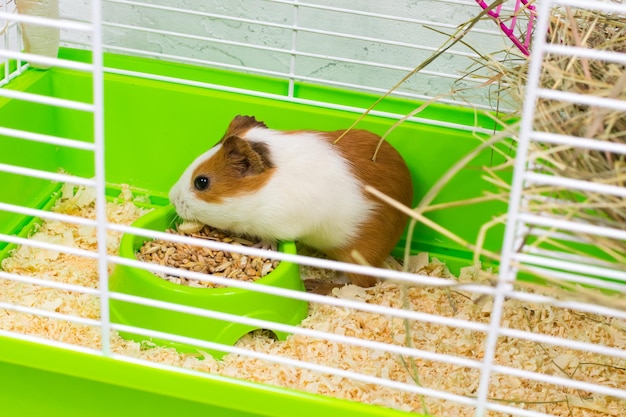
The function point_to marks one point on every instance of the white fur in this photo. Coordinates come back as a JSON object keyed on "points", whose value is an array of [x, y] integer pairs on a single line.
{"points": [[312, 196]]}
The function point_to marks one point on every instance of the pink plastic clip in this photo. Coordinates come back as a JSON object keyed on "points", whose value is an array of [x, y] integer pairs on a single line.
{"points": [[509, 30]]}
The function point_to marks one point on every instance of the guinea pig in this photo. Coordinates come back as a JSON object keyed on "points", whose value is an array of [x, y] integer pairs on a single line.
{"points": [[300, 185]]}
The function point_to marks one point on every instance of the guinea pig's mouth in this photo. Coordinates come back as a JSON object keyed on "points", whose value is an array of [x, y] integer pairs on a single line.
{"points": [[182, 211]]}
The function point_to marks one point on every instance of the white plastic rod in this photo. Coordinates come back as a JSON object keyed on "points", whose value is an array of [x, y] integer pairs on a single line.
{"points": [[40, 40]]}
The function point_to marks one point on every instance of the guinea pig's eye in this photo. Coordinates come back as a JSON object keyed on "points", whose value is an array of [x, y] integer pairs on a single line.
{"points": [[201, 182]]}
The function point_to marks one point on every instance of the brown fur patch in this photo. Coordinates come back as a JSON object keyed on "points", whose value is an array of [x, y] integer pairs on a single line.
{"points": [[389, 174], [263, 151], [239, 167], [240, 125]]}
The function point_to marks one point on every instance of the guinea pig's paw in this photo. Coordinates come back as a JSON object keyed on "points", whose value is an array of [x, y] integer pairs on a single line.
{"points": [[188, 227], [266, 244]]}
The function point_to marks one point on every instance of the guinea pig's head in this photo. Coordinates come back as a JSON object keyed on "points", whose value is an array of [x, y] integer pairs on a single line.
{"points": [[209, 188]]}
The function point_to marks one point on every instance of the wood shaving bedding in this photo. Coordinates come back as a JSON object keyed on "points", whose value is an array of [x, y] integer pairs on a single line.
{"points": [[432, 337]]}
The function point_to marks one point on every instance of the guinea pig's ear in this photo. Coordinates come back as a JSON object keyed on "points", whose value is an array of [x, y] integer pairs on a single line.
{"points": [[241, 124], [245, 157]]}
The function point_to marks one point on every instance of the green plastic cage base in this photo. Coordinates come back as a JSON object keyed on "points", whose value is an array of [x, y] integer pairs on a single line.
{"points": [[153, 130], [40, 380]]}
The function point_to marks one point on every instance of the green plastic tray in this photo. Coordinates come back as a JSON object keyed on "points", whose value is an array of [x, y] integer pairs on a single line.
{"points": [[153, 130]]}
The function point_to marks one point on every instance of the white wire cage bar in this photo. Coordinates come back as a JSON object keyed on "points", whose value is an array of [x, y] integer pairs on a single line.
{"points": [[529, 172], [302, 48], [147, 30], [556, 265]]}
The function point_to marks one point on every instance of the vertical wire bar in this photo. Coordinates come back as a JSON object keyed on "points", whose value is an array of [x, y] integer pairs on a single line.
{"points": [[294, 45], [101, 215], [4, 32], [508, 271], [19, 45]]}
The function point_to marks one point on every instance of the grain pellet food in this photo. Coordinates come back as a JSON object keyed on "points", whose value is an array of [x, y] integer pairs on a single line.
{"points": [[204, 260]]}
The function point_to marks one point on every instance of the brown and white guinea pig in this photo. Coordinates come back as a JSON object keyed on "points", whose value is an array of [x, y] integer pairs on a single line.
{"points": [[298, 185]]}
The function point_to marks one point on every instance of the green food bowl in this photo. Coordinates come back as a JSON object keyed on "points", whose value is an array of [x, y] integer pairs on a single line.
{"points": [[138, 282]]}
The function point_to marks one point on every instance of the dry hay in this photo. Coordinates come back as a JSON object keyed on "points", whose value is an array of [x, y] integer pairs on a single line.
{"points": [[538, 318], [591, 77]]}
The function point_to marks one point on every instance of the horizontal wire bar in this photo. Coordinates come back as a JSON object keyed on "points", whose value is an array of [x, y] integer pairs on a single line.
{"points": [[317, 334], [48, 139], [400, 313], [396, 18], [47, 246], [569, 266], [299, 259], [563, 342], [557, 223], [193, 372], [298, 53], [577, 98], [187, 60], [315, 262], [514, 411], [342, 35], [49, 314], [552, 234], [298, 100], [305, 296], [357, 376], [361, 87], [52, 101], [56, 62], [578, 142], [399, 92], [582, 52], [45, 283], [579, 279], [46, 21], [320, 263], [287, 75], [199, 38], [570, 183], [46, 214], [560, 381], [581, 306], [569, 237], [544, 232], [52, 176], [300, 364], [49, 342], [568, 256], [608, 7]]}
